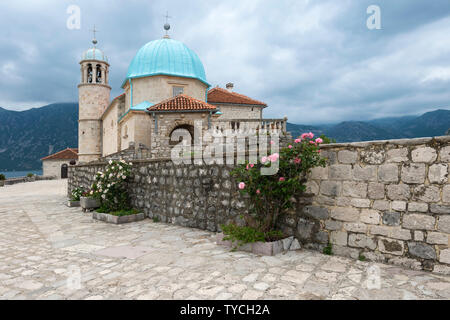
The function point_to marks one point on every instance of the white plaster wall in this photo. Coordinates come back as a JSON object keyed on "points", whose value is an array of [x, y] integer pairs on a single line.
{"points": [[240, 112], [52, 168], [155, 89]]}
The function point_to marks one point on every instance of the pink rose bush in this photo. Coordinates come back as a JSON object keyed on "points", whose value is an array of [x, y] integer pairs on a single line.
{"points": [[271, 195]]}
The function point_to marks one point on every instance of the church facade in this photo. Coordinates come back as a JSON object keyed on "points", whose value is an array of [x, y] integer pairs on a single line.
{"points": [[165, 90]]}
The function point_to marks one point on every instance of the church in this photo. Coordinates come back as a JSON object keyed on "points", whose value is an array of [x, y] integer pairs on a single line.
{"points": [[165, 89]]}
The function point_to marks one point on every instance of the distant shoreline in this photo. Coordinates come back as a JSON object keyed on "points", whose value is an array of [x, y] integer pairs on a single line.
{"points": [[18, 174]]}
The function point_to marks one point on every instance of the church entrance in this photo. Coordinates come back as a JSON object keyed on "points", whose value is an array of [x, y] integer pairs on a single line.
{"points": [[64, 170], [181, 133]]}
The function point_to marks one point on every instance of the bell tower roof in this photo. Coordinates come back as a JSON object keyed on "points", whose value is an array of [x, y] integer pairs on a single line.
{"points": [[94, 53]]}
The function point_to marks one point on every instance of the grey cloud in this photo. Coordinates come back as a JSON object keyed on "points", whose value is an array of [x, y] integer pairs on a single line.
{"points": [[314, 61]]}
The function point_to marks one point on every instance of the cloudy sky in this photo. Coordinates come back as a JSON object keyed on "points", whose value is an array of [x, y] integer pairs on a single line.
{"points": [[315, 61]]}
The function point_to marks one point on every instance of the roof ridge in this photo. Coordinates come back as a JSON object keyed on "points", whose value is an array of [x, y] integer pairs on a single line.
{"points": [[236, 95], [59, 152], [182, 102]]}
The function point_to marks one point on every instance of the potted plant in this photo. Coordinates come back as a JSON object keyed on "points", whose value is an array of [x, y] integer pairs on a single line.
{"points": [[2, 180], [271, 193], [110, 188], [88, 201], [75, 197]]}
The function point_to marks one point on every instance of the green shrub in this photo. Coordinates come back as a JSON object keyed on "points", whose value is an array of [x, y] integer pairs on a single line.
{"points": [[2, 176], [119, 213], [328, 249], [30, 175], [243, 235]]}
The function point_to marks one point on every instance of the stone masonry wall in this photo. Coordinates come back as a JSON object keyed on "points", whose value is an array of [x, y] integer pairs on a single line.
{"points": [[388, 201]]}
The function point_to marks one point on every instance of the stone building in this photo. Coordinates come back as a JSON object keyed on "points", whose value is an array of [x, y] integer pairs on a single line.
{"points": [[56, 165], [165, 90]]}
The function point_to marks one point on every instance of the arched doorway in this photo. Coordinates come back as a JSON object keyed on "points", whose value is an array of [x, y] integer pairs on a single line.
{"points": [[180, 133], [64, 171]]}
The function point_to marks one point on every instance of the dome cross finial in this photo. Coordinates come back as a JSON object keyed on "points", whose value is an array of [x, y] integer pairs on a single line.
{"points": [[167, 25], [94, 41]]}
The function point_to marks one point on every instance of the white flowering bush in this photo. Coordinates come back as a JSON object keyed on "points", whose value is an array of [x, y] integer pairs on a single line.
{"points": [[76, 194], [110, 186]]}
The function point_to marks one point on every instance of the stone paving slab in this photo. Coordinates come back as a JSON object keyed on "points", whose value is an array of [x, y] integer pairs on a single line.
{"points": [[51, 251]]}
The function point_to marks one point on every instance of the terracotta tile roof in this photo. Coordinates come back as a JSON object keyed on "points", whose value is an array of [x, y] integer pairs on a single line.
{"points": [[120, 95], [220, 95], [69, 154], [182, 102]]}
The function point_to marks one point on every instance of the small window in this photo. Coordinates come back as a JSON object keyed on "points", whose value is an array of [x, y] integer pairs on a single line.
{"points": [[177, 90]]}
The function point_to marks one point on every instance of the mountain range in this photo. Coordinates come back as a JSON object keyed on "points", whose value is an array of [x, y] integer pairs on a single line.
{"points": [[430, 124], [27, 136]]}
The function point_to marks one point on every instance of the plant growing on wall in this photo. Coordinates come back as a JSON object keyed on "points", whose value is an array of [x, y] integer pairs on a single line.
{"points": [[110, 186], [272, 195]]}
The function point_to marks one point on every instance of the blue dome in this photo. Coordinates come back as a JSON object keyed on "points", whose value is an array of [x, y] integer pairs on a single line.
{"points": [[166, 57], [94, 54]]}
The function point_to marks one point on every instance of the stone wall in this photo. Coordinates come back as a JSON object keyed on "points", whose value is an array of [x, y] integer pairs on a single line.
{"points": [[386, 201], [200, 196]]}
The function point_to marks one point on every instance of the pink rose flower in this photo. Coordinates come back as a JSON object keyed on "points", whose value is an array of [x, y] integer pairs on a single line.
{"points": [[281, 179], [274, 157], [290, 146], [304, 136], [258, 192], [264, 159], [297, 160], [246, 167], [311, 135], [297, 140], [319, 140], [251, 165], [241, 185]]}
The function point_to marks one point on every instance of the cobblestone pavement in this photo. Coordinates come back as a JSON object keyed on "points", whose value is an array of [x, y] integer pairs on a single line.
{"points": [[50, 251]]}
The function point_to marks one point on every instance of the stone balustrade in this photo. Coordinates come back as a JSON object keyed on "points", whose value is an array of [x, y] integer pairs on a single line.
{"points": [[277, 125]]}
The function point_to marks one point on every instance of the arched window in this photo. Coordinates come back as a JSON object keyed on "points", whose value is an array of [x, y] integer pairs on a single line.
{"points": [[99, 74], [89, 73]]}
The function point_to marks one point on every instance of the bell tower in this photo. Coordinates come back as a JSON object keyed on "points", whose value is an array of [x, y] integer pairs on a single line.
{"points": [[93, 99]]}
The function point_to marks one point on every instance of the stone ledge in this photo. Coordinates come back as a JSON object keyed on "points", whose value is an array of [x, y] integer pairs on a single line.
{"points": [[406, 142], [263, 248], [109, 218], [71, 203]]}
